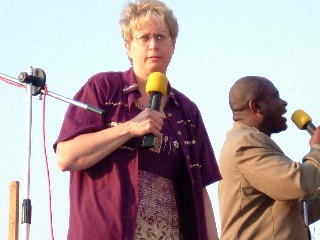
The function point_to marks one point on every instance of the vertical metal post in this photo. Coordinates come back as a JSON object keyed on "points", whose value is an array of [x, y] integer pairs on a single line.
{"points": [[26, 205]]}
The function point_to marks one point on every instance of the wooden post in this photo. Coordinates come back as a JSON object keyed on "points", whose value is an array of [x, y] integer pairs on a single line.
{"points": [[13, 211]]}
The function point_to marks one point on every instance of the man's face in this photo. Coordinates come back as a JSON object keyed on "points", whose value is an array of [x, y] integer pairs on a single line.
{"points": [[274, 109]]}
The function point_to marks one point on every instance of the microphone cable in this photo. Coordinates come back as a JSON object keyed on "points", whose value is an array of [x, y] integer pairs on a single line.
{"points": [[11, 83], [46, 156], [43, 97]]}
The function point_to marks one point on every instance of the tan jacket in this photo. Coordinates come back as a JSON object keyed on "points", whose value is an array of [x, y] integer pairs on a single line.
{"points": [[261, 191]]}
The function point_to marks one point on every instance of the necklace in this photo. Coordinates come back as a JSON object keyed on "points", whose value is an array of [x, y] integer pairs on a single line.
{"points": [[139, 105]]}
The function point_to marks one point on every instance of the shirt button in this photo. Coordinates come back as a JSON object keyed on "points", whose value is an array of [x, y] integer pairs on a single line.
{"points": [[169, 114], [179, 133]]}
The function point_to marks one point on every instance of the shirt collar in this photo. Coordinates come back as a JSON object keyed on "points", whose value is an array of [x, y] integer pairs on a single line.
{"points": [[130, 83], [172, 97], [131, 86]]}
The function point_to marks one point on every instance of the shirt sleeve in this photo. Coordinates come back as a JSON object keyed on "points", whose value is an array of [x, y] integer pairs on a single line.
{"points": [[267, 169], [209, 167], [313, 207], [78, 120]]}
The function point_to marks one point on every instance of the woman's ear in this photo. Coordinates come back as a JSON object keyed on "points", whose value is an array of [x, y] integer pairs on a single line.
{"points": [[174, 46], [127, 46]]}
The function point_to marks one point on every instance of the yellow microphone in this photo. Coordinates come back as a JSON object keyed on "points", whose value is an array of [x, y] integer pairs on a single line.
{"points": [[156, 87], [303, 121], [157, 82]]}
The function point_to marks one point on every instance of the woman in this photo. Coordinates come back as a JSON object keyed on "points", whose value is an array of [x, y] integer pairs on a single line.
{"points": [[118, 189]]}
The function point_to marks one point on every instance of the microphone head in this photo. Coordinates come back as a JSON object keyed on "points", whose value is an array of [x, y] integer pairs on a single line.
{"points": [[300, 118], [157, 82]]}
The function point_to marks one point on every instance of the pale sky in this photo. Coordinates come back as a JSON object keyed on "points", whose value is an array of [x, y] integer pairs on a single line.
{"points": [[219, 42]]}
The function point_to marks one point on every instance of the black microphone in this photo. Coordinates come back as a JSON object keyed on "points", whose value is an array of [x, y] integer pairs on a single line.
{"points": [[303, 121], [156, 87]]}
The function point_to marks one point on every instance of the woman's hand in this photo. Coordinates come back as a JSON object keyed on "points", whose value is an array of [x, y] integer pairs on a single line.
{"points": [[148, 121], [86, 150]]}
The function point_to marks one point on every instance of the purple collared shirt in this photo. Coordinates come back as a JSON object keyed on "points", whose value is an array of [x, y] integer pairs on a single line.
{"points": [[104, 198]]}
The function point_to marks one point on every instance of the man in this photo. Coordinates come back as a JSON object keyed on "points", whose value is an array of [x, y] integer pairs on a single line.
{"points": [[262, 189]]}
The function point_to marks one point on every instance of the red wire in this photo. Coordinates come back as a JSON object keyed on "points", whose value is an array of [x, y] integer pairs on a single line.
{"points": [[46, 159], [44, 146], [11, 83]]}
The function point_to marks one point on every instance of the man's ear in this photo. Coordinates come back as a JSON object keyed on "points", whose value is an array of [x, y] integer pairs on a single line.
{"points": [[255, 105]]}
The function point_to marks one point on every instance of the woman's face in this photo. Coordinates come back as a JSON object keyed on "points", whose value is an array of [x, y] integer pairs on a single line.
{"points": [[151, 48]]}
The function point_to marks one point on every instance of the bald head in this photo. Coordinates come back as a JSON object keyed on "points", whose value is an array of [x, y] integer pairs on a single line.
{"points": [[244, 90]]}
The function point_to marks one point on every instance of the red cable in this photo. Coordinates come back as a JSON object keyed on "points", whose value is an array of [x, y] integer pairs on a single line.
{"points": [[44, 146], [46, 159], [11, 83]]}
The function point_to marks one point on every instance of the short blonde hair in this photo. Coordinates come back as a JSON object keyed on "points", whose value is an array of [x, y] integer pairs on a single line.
{"points": [[134, 15]]}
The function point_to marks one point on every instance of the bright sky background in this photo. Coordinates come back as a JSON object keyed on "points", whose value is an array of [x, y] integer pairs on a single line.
{"points": [[219, 42]]}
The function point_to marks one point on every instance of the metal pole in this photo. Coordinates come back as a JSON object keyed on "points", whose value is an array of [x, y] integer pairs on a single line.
{"points": [[29, 86], [57, 96], [26, 205]]}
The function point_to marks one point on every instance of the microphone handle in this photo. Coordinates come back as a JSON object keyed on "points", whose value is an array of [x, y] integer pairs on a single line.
{"points": [[149, 140], [310, 127], [155, 100]]}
